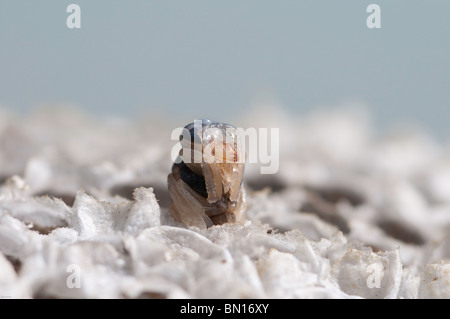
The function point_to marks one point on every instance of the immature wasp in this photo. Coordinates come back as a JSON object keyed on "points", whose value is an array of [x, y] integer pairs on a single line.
{"points": [[206, 185]]}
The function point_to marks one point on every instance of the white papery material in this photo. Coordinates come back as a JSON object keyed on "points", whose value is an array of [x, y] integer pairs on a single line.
{"points": [[124, 243]]}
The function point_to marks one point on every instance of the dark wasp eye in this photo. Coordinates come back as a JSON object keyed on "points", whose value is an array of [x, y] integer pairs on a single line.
{"points": [[196, 182]]}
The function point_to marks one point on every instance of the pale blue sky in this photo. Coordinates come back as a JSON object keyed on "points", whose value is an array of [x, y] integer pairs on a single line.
{"points": [[210, 58]]}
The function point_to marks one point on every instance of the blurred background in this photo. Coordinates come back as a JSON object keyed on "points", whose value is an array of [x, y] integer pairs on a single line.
{"points": [[219, 59]]}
